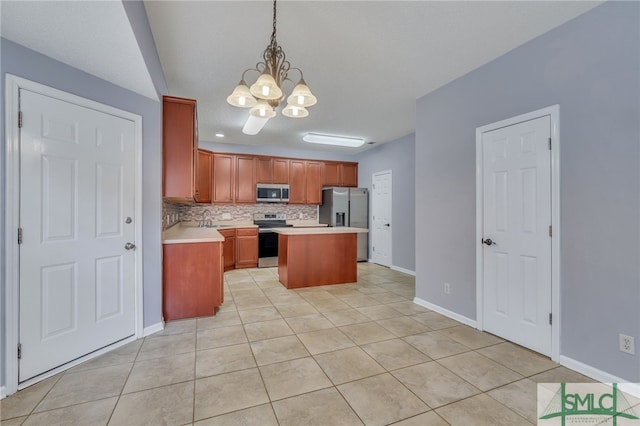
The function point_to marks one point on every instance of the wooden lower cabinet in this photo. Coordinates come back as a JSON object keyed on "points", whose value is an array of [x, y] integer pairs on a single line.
{"points": [[246, 248], [229, 248], [192, 283]]}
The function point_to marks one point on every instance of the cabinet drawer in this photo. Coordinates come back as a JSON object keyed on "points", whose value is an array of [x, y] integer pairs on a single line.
{"points": [[241, 232]]}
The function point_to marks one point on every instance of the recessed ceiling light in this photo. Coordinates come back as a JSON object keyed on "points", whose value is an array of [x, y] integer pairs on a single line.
{"points": [[333, 140], [219, 135]]}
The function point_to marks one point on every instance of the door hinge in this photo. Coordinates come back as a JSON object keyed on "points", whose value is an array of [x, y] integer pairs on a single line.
{"points": [[19, 350], [19, 119], [373, 249], [550, 318], [19, 235], [550, 231], [549, 144]]}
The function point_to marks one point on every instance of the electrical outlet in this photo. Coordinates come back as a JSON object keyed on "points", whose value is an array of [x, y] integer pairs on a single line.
{"points": [[627, 344], [447, 288]]}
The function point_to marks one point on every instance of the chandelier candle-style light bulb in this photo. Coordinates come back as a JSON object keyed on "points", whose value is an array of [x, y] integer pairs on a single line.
{"points": [[302, 96], [266, 93], [294, 111], [263, 110], [241, 97]]}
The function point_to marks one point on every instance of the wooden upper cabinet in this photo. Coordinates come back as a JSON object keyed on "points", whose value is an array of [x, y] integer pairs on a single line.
{"points": [[235, 177], [297, 182], [349, 174], [314, 182], [340, 174], [223, 178], [179, 144], [331, 174], [203, 176], [272, 170], [245, 179], [280, 170], [264, 170]]}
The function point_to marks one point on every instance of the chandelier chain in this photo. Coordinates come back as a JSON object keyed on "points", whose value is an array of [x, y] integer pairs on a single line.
{"points": [[273, 34]]}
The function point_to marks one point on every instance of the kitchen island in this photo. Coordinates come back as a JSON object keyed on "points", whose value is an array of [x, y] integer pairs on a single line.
{"points": [[310, 257]]}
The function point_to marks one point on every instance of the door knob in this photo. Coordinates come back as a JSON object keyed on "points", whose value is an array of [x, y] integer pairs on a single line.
{"points": [[387, 224], [128, 220], [489, 242], [129, 246]]}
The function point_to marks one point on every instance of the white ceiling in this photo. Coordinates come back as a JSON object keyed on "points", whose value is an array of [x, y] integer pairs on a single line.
{"points": [[366, 61], [93, 36]]}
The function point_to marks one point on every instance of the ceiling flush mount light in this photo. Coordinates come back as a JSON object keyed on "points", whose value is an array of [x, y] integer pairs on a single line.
{"points": [[265, 95], [333, 140]]}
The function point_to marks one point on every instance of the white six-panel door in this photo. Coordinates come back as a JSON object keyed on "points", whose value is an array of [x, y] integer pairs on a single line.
{"points": [[516, 163], [381, 223], [77, 181]]}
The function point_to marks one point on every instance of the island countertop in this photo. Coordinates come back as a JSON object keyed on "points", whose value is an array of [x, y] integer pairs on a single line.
{"points": [[318, 231]]}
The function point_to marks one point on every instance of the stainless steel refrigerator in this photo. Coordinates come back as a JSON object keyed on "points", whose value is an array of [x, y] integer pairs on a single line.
{"points": [[347, 207]]}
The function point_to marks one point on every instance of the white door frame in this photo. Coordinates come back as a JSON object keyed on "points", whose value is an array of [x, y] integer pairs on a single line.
{"points": [[554, 114], [373, 198], [12, 220]]}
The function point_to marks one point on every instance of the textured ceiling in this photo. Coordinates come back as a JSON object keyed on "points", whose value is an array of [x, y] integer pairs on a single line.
{"points": [[366, 61], [93, 36]]}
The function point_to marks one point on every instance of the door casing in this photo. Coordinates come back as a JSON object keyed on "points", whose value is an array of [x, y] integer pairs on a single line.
{"points": [[554, 113], [13, 85]]}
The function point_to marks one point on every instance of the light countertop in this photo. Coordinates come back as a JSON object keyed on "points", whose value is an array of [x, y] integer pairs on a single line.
{"points": [[319, 230], [189, 232], [179, 234], [306, 224]]}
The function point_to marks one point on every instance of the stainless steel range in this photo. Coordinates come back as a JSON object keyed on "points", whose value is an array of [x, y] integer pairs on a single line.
{"points": [[267, 239]]}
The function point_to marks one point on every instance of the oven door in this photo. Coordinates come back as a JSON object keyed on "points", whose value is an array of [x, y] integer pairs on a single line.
{"points": [[267, 248]]}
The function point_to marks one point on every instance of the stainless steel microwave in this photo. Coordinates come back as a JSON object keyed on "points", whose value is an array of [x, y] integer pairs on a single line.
{"points": [[272, 193]]}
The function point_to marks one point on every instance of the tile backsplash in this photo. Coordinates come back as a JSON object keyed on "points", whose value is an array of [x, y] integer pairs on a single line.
{"points": [[233, 212], [170, 214]]}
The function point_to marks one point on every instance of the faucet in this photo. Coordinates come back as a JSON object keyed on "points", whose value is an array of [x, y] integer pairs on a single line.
{"points": [[204, 222]]}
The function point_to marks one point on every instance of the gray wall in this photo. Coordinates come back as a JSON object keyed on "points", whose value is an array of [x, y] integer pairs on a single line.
{"points": [[399, 157], [22, 62], [590, 67]]}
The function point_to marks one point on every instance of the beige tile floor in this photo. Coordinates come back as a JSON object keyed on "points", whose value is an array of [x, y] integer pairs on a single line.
{"points": [[347, 354]]}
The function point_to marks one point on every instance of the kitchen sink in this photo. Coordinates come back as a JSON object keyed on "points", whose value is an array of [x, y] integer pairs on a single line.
{"points": [[197, 225]]}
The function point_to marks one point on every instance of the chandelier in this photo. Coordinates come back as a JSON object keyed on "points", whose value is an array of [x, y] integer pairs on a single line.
{"points": [[265, 95]]}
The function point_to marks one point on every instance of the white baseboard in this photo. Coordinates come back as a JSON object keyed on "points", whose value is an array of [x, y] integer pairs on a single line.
{"points": [[153, 329], [3, 392], [601, 376], [403, 270], [446, 312]]}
